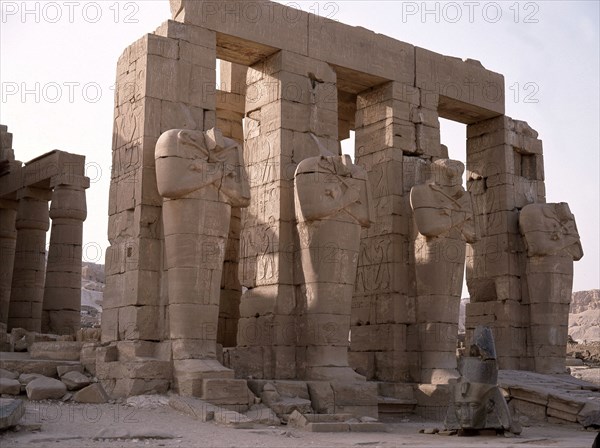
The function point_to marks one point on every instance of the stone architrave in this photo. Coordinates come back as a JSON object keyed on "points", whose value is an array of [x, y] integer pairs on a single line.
{"points": [[333, 203], [476, 400], [552, 243], [443, 216], [200, 176]]}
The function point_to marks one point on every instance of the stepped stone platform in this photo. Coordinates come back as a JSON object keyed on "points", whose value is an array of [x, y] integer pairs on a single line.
{"points": [[22, 362], [552, 398]]}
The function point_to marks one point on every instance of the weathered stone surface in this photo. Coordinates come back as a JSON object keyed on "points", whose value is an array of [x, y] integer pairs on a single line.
{"points": [[263, 415], [194, 407], [8, 374], [10, 386], [11, 411], [70, 368], [59, 350], [94, 393], [45, 388], [75, 380]]}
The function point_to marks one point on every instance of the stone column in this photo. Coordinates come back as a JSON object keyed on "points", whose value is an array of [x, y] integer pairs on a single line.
{"points": [[505, 173], [27, 291], [291, 111], [397, 130], [61, 312], [8, 241]]}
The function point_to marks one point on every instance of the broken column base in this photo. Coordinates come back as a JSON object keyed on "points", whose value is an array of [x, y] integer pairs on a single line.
{"points": [[128, 368]]}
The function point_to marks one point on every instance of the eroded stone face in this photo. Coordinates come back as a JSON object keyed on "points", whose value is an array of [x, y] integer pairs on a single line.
{"points": [[477, 402], [550, 229], [333, 202]]}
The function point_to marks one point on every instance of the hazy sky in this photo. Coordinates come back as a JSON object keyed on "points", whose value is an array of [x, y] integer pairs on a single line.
{"points": [[58, 62]]}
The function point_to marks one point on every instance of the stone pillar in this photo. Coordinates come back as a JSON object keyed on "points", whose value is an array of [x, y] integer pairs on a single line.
{"points": [[230, 116], [61, 312], [8, 241], [164, 81], [505, 173], [27, 290], [291, 112], [397, 131]]}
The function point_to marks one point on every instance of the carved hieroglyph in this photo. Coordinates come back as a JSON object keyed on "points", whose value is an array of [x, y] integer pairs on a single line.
{"points": [[477, 402], [443, 216], [332, 204], [200, 176], [552, 243]]}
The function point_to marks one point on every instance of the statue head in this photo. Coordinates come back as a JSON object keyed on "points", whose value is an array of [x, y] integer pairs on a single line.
{"points": [[447, 172], [472, 403], [188, 160]]}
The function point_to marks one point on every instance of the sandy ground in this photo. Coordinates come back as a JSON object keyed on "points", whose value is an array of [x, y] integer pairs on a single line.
{"points": [[70, 425]]}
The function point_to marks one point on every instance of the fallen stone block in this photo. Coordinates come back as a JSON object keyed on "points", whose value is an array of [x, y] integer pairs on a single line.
{"points": [[75, 380], [8, 374], [589, 416], [11, 411], [10, 386], [287, 405], [44, 388], [56, 350], [69, 368], [94, 393]]}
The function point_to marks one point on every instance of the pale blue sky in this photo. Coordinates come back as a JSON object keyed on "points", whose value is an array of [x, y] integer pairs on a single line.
{"points": [[547, 50]]}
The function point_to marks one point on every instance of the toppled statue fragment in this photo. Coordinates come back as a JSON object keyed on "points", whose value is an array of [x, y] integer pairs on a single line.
{"points": [[477, 402]]}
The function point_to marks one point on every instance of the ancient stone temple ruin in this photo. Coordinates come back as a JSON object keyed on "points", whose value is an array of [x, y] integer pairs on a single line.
{"points": [[246, 249], [40, 290]]}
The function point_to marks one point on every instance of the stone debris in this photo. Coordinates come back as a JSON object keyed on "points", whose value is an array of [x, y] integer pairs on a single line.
{"points": [[44, 388], [263, 415], [94, 393], [75, 380]]}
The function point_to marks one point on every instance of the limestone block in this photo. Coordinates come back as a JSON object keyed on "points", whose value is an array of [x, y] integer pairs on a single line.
{"points": [[8, 374], [362, 362], [225, 391], [139, 322], [10, 386], [44, 388], [60, 350], [247, 362], [380, 136], [263, 415], [321, 396], [11, 411], [93, 394], [75, 380], [393, 366], [62, 370]]}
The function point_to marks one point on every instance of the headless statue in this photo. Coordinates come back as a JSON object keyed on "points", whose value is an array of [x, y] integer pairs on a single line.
{"points": [[443, 216], [332, 205], [200, 176]]}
